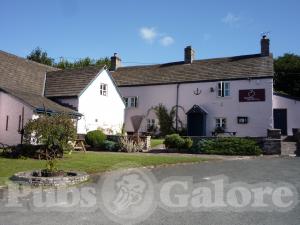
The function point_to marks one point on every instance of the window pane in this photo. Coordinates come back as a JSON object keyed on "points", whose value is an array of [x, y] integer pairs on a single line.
{"points": [[227, 93]]}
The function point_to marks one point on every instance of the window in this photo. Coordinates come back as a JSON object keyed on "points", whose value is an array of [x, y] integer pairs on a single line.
{"points": [[6, 126], [131, 102], [223, 89], [150, 124], [103, 89], [221, 122], [20, 123]]}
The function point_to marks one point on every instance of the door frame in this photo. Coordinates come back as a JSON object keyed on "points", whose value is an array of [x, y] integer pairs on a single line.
{"points": [[197, 110]]}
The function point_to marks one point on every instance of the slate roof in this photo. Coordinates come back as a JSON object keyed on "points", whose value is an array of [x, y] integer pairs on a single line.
{"points": [[238, 67], [39, 103], [25, 79], [70, 82], [22, 74]]}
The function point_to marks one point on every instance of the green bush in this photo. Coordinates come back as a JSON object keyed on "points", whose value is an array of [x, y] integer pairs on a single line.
{"points": [[54, 132], [95, 138], [228, 146], [188, 143], [175, 141], [110, 146]]}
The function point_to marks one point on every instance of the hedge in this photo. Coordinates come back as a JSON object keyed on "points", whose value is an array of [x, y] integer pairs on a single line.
{"points": [[227, 146]]}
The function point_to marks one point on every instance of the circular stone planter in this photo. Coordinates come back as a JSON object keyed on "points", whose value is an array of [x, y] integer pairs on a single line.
{"points": [[70, 178]]}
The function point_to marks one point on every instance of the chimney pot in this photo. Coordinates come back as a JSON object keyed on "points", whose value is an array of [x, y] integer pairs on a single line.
{"points": [[189, 54]]}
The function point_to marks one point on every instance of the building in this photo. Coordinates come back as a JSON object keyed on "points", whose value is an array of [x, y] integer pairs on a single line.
{"points": [[28, 88], [235, 93], [90, 91]]}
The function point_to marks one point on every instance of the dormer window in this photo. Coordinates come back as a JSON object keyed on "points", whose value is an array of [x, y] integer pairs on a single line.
{"points": [[223, 89], [103, 89]]}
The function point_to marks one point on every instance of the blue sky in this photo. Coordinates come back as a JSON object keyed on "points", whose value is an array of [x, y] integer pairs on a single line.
{"points": [[148, 32]]}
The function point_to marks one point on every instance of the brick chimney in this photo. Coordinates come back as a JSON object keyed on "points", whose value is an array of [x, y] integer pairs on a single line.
{"points": [[189, 55], [265, 45], [115, 62]]}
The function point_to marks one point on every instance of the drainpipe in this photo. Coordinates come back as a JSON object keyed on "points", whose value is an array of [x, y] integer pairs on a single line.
{"points": [[177, 99]]}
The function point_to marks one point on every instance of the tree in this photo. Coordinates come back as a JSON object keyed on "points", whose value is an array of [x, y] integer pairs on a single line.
{"points": [[81, 63], [287, 74], [166, 119], [40, 56], [54, 132]]}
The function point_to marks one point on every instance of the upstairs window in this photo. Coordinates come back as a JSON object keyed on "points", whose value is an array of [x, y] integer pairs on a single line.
{"points": [[221, 122], [131, 102], [103, 89], [223, 89]]}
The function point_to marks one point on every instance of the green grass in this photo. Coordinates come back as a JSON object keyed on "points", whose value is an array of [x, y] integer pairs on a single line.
{"points": [[92, 162], [156, 142]]}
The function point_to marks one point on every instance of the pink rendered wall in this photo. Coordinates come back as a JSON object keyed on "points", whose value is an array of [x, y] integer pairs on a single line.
{"points": [[12, 107], [259, 113], [293, 111]]}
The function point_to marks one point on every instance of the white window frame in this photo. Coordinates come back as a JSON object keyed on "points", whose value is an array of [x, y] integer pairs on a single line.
{"points": [[223, 89], [131, 102], [221, 122], [103, 89]]}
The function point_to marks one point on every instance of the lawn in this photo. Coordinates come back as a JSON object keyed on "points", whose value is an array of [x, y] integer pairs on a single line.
{"points": [[156, 142], [92, 162]]}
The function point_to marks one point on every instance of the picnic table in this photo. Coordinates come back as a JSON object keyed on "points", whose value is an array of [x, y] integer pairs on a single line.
{"points": [[79, 145]]}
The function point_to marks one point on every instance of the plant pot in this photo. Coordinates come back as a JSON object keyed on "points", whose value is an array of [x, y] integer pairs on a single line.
{"points": [[296, 134]]}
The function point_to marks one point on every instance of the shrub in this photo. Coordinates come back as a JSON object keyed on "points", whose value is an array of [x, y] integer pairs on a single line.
{"points": [[95, 138], [188, 143], [130, 145], [228, 146], [110, 145], [175, 141], [53, 132]]}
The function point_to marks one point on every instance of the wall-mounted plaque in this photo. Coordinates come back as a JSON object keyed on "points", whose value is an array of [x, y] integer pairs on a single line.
{"points": [[252, 95]]}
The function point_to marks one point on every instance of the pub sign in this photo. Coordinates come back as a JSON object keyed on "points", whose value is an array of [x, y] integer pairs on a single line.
{"points": [[252, 95]]}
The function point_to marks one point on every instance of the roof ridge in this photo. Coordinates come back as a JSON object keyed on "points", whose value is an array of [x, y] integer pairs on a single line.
{"points": [[28, 60], [197, 60]]}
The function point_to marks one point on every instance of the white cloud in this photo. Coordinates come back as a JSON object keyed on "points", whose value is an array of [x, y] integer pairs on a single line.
{"points": [[148, 33], [166, 41], [231, 19]]}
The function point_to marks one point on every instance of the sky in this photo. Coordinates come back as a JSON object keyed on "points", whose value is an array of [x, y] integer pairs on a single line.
{"points": [[148, 32]]}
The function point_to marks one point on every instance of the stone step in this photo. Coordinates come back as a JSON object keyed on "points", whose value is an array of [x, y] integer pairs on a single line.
{"points": [[288, 148]]}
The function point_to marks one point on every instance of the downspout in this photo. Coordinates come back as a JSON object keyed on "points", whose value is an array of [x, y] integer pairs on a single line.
{"points": [[176, 114]]}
